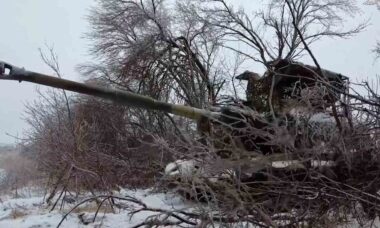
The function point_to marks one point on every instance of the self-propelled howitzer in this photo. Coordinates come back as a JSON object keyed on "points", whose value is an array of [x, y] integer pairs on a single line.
{"points": [[229, 117]]}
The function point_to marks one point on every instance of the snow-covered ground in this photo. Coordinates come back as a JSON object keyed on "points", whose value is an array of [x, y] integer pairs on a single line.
{"points": [[30, 211]]}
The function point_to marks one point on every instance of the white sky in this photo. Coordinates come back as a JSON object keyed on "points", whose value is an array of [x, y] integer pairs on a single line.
{"points": [[27, 25]]}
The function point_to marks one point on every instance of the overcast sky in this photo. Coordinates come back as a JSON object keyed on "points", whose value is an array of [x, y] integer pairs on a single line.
{"points": [[27, 25]]}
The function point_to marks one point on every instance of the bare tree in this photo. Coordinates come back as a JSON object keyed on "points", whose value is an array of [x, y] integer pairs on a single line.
{"points": [[156, 48], [174, 50], [271, 34]]}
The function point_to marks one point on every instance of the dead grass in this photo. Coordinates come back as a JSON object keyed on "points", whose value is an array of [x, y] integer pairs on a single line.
{"points": [[17, 213], [93, 207]]}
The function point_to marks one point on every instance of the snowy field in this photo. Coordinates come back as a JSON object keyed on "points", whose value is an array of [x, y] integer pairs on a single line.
{"points": [[30, 211]]}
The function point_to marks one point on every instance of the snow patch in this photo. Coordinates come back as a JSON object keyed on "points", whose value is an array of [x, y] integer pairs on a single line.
{"points": [[33, 212]]}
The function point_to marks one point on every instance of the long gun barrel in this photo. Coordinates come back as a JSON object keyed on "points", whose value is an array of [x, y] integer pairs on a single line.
{"points": [[10, 72]]}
